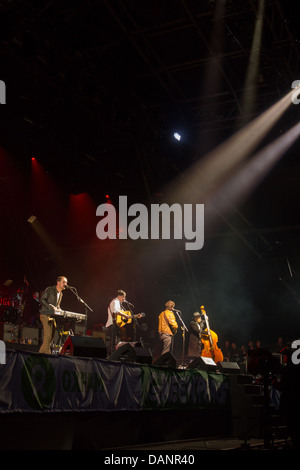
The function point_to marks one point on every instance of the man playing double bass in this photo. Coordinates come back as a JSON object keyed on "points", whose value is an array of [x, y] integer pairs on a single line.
{"points": [[209, 340], [197, 325], [203, 341]]}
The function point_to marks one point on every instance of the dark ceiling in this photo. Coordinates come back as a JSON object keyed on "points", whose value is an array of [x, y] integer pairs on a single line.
{"points": [[94, 83], [96, 89]]}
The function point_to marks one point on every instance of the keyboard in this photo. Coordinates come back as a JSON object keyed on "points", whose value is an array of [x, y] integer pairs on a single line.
{"points": [[66, 314]]}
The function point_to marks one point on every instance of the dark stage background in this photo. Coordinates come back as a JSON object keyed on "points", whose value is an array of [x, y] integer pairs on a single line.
{"points": [[94, 92]]}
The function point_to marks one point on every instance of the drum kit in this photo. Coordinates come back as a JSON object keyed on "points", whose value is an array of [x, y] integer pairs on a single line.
{"points": [[12, 305]]}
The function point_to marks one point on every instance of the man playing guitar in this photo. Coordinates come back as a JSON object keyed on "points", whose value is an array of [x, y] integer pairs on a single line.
{"points": [[118, 318]]}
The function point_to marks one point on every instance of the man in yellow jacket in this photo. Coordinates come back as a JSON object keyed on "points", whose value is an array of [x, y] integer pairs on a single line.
{"points": [[167, 327]]}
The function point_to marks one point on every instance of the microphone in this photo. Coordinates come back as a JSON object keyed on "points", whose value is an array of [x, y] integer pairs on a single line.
{"points": [[176, 310], [69, 287], [126, 301]]}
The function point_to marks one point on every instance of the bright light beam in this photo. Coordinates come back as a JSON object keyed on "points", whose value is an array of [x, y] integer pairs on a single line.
{"points": [[219, 164], [253, 66], [214, 69], [249, 177]]}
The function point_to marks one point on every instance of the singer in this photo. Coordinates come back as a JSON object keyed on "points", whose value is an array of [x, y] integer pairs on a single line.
{"points": [[51, 299], [167, 327], [117, 319], [114, 308]]}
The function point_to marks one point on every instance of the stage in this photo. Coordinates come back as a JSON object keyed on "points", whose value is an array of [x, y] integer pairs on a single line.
{"points": [[59, 402]]}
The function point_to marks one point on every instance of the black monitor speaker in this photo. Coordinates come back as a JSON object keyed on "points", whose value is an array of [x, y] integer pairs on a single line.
{"points": [[143, 355], [132, 352], [165, 360], [124, 353], [229, 367], [203, 363], [84, 346]]}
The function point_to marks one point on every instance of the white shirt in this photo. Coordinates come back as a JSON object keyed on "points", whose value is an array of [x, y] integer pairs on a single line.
{"points": [[114, 307]]}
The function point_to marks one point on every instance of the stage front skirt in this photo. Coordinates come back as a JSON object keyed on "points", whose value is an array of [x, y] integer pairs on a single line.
{"points": [[31, 382]]}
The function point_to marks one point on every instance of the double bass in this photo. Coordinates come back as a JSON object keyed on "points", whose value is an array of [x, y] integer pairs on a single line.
{"points": [[209, 340]]}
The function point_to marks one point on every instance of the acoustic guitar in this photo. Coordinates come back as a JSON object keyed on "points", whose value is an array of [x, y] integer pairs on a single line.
{"points": [[125, 317]]}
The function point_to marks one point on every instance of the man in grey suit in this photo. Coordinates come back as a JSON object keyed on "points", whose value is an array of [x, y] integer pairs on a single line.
{"points": [[50, 300]]}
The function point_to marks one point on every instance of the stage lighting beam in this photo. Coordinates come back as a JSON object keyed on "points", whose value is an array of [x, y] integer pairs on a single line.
{"points": [[253, 66], [247, 179], [219, 164]]}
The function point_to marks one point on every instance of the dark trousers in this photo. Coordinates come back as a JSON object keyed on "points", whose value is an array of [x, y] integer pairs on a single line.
{"points": [[115, 334], [167, 342]]}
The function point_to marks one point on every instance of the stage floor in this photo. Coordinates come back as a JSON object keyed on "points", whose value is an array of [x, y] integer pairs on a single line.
{"points": [[202, 444]]}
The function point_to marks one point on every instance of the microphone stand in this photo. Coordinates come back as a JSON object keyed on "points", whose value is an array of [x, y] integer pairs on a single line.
{"points": [[184, 329], [87, 307]]}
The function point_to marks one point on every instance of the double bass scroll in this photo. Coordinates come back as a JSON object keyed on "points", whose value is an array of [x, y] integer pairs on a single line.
{"points": [[209, 341]]}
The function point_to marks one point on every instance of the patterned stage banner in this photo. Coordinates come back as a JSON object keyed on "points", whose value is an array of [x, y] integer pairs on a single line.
{"points": [[36, 382]]}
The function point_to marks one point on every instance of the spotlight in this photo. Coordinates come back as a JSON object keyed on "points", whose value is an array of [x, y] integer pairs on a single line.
{"points": [[177, 136], [31, 219]]}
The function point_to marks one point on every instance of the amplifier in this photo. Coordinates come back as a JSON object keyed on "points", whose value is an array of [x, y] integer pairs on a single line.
{"points": [[99, 334], [9, 332], [29, 335], [79, 329]]}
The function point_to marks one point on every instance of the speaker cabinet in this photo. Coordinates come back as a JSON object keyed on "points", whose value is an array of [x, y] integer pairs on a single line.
{"points": [[84, 346], [132, 352], [203, 363], [143, 355], [229, 367], [165, 360], [124, 353]]}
